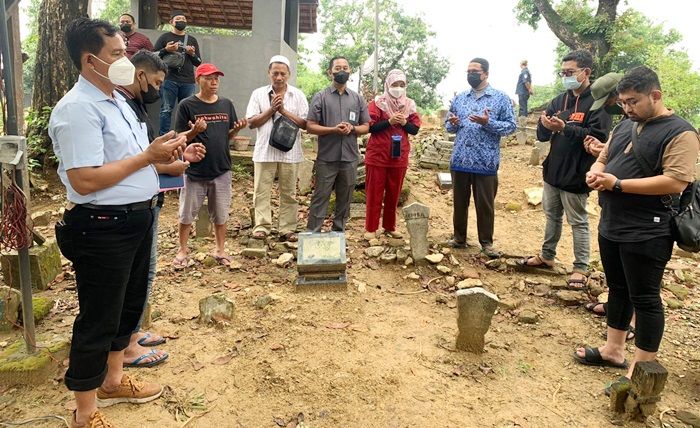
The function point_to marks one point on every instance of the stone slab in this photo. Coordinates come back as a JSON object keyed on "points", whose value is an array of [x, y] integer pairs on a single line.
{"points": [[321, 252], [19, 367], [202, 226], [216, 308], [322, 282], [417, 217], [475, 308], [444, 180], [305, 175], [10, 302], [358, 210], [44, 265]]}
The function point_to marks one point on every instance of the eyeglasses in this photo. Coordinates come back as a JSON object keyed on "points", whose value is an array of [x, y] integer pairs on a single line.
{"points": [[569, 73], [629, 103]]}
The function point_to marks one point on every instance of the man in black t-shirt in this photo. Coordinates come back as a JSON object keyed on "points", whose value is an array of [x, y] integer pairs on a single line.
{"points": [[211, 120], [148, 78], [179, 83]]}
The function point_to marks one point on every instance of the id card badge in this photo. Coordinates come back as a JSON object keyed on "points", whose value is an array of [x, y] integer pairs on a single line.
{"points": [[352, 117]]}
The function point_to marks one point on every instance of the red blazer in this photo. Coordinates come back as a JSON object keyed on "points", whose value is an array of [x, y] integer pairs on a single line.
{"points": [[378, 151]]}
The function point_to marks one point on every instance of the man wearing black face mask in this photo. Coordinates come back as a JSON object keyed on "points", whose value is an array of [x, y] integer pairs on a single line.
{"points": [[148, 77], [179, 83], [337, 115], [133, 40]]}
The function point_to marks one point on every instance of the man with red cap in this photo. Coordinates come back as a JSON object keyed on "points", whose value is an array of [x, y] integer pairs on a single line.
{"points": [[211, 120]]}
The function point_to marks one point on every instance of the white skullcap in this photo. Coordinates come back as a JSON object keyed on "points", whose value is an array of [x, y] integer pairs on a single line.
{"points": [[280, 58]]}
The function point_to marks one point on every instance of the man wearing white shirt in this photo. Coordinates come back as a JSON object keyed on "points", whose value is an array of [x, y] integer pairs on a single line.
{"points": [[266, 105]]}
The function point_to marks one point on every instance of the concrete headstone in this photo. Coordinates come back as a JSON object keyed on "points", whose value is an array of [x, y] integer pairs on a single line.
{"points": [[417, 216], [475, 308], [203, 224]]}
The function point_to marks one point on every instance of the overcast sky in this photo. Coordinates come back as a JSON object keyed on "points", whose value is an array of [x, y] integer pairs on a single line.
{"points": [[491, 31]]}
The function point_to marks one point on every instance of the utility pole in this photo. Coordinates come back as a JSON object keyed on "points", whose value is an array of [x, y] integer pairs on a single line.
{"points": [[376, 47]]}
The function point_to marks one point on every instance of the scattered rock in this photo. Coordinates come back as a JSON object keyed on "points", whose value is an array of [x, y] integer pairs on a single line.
{"points": [[513, 206], [209, 261], [41, 218], [527, 317], [263, 301], [361, 286], [216, 308], [387, 258], [408, 261], [284, 259], [603, 297], [375, 242], [446, 250], [509, 303], [541, 290], [679, 291], [454, 260], [674, 303], [374, 251], [235, 265], [396, 242], [254, 253], [401, 255], [441, 299], [412, 275], [435, 258], [570, 297], [450, 280], [444, 269], [688, 418], [534, 195], [470, 273], [469, 283]]}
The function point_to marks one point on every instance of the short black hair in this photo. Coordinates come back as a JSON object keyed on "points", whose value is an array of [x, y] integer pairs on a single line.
{"points": [[149, 61], [483, 62], [582, 57], [87, 35], [640, 79], [130, 16], [337, 57]]}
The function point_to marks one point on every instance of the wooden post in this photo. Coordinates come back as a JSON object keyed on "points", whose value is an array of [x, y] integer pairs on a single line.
{"points": [[647, 383], [618, 396]]}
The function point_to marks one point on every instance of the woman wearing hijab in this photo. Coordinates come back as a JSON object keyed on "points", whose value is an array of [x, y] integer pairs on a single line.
{"points": [[392, 117]]}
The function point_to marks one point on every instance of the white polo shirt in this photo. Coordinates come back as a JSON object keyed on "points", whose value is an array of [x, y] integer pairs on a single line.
{"points": [[294, 102], [90, 129]]}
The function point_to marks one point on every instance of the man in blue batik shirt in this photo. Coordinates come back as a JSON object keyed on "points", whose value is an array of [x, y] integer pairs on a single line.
{"points": [[479, 117]]}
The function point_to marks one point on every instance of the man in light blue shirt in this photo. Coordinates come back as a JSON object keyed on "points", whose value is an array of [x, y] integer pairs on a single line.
{"points": [[106, 164], [479, 117]]}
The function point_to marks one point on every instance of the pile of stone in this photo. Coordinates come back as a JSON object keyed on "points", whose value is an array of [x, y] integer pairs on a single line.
{"points": [[435, 152]]}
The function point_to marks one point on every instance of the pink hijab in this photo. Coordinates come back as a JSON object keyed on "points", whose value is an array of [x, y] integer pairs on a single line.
{"points": [[392, 105]]}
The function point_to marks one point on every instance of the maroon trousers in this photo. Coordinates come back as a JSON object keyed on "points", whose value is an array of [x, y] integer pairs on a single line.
{"points": [[382, 186]]}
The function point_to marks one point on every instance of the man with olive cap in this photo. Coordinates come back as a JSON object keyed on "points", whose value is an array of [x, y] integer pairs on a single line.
{"points": [[604, 92], [267, 105], [179, 83]]}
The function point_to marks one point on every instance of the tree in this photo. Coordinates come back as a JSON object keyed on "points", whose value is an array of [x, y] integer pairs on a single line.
{"points": [[54, 73], [114, 9], [575, 23], [348, 30]]}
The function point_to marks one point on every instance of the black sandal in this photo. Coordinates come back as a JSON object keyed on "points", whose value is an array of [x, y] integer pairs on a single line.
{"points": [[590, 307], [592, 357]]}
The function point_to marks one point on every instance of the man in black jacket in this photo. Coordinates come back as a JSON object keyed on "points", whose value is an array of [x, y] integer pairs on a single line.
{"points": [[566, 123]]}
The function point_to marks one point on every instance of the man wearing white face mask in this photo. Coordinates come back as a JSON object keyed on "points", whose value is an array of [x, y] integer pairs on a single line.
{"points": [[107, 166], [566, 124]]}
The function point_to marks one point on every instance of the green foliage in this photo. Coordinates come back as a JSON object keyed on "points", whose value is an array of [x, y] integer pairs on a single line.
{"points": [[29, 44], [544, 94], [114, 9], [240, 171], [348, 30], [38, 138], [310, 81], [680, 84]]}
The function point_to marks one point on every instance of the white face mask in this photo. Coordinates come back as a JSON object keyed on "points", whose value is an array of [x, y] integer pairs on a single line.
{"points": [[397, 92], [120, 72]]}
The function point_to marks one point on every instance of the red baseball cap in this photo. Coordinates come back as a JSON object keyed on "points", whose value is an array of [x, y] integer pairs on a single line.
{"points": [[207, 69]]}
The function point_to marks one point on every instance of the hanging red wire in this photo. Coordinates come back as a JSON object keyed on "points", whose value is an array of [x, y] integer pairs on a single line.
{"points": [[16, 231]]}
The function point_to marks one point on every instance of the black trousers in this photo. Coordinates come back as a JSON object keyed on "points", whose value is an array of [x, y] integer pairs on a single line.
{"points": [[522, 104], [110, 251], [484, 188], [332, 176], [634, 271]]}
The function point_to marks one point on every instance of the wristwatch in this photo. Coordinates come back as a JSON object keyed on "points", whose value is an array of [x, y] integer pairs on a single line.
{"points": [[617, 187]]}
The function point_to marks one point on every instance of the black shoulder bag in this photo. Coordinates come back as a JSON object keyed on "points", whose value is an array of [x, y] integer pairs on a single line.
{"points": [[175, 60], [284, 134], [685, 211]]}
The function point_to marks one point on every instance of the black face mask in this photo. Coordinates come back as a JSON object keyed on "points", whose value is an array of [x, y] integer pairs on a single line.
{"points": [[614, 109], [150, 96], [341, 77], [126, 28], [474, 79], [180, 25]]}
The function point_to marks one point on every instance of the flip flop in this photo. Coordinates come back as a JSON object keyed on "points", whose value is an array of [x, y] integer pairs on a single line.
{"points": [[145, 342], [223, 260], [289, 237], [137, 362], [540, 262], [590, 307], [259, 235], [180, 262], [592, 357]]}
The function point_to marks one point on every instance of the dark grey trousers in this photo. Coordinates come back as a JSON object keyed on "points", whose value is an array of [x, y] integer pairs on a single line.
{"points": [[330, 176], [484, 188]]}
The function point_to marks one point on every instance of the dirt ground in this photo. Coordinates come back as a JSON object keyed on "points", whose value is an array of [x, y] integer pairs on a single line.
{"points": [[378, 355]]}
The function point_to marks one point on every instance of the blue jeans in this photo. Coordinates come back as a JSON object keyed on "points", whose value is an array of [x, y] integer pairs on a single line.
{"points": [[153, 262], [170, 94], [556, 202]]}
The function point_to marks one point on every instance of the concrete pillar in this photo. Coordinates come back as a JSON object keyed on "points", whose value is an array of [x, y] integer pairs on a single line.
{"points": [[146, 13], [268, 20], [291, 23]]}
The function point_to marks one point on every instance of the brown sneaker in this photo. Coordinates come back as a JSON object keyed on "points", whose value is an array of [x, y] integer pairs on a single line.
{"points": [[130, 391], [96, 420]]}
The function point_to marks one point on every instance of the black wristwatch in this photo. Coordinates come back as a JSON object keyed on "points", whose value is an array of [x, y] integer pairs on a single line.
{"points": [[617, 187]]}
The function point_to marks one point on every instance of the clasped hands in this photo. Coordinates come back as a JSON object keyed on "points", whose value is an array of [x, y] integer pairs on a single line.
{"points": [[600, 180]]}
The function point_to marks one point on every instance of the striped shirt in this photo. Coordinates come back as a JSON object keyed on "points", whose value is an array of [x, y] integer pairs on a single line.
{"points": [[294, 102]]}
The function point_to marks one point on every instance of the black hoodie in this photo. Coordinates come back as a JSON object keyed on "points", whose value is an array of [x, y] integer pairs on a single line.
{"points": [[567, 163]]}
